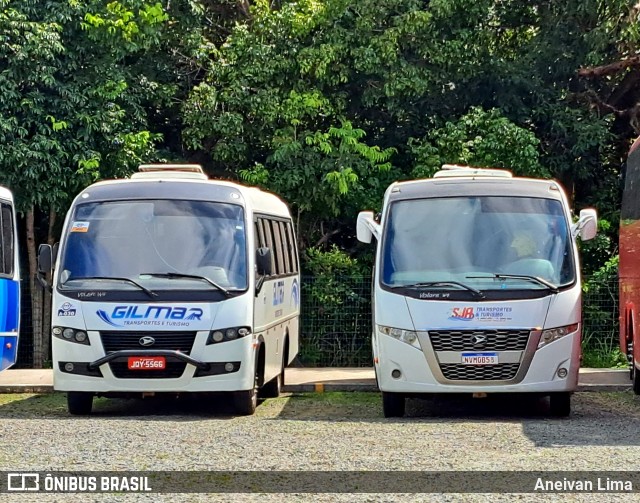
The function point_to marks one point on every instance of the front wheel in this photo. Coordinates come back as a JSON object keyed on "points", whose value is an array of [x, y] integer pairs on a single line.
{"points": [[393, 404], [560, 404], [246, 401], [79, 403]]}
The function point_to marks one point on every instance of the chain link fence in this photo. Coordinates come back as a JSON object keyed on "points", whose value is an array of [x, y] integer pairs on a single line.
{"points": [[336, 321]]}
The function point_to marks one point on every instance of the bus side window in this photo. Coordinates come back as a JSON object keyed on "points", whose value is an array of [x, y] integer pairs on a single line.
{"points": [[291, 246], [268, 239], [277, 249], [7, 240], [285, 249]]}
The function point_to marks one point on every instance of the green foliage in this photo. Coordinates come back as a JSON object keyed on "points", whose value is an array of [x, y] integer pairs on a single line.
{"points": [[598, 256], [331, 262], [485, 83], [479, 138], [338, 294], [600, 332], [604, 358], [71, 110]]}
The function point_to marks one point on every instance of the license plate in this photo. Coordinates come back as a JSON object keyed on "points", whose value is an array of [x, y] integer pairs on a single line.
{"points": [[479, 358], [147, 363]]}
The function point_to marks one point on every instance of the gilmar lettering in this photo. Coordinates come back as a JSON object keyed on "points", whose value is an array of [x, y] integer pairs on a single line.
{"points": [[178, 316], [156, 312], [278, 293]]}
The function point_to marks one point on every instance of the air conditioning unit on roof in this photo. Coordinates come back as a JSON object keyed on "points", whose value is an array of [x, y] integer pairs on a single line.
{"points": [[456, 171], [164, 171]]}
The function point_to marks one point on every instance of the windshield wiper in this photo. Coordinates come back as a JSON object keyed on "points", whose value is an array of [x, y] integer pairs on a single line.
{"points": [[427, 284], [526, 277], [178, 275], [150, 293]]}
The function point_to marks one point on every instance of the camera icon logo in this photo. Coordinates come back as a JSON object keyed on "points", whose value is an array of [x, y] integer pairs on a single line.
{"points": [[23, 482]]}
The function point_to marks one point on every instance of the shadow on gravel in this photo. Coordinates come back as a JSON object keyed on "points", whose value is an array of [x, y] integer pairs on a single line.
{"points": [[184, 408], [596, 419]]}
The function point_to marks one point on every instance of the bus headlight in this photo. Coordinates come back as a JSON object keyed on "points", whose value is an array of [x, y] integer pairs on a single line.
{"points": [[553, 334], [71, 335], [227, 334], [408, 336]]}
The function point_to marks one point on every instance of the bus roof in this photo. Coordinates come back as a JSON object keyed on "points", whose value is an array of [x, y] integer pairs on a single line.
{"points": [[6, 194], [188, 188], [470, 185]]}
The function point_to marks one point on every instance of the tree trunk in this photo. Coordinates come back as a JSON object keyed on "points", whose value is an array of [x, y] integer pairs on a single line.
{"points": [[46, 321], [36, 291]]}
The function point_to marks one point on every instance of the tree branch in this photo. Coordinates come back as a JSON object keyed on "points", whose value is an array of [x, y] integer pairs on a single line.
{"points": [[611, 68], [325, 238]]}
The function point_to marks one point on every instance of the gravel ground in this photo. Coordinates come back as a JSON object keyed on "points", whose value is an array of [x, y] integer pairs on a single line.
{"points": [[316, 432]]}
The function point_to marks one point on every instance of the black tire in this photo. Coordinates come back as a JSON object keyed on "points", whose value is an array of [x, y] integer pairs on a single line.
{"points": [[393, 404], [79, 403], [560, 404], [273, 388], [246, 401], [635, 379]]}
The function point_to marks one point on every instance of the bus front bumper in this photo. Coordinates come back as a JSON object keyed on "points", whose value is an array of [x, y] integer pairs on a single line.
{"points": [[405, 369]]}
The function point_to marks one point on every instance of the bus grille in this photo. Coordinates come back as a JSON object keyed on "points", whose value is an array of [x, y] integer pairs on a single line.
{"points": [[461, 372], [174, 341], [471, 340]]}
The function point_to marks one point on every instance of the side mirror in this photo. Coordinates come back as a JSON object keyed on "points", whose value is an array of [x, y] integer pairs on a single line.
{"points": [[587, 225], [367, 227], [263, 261], [45, 262], [45, 259]]}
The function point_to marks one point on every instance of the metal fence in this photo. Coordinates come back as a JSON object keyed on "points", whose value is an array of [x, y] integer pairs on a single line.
{"points": [[336, 321]]}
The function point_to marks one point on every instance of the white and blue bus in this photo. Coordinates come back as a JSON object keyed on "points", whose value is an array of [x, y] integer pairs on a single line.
{"points": [[476, 287], [169, 282], [9, 281]]}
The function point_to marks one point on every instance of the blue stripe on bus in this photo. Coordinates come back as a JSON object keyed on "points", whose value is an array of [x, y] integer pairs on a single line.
{"points": [[9, 351], [9, 316], [9, 305]]}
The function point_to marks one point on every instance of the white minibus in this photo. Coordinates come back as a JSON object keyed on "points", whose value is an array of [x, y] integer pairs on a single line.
{"points": [[476, 287], [172, 283]]}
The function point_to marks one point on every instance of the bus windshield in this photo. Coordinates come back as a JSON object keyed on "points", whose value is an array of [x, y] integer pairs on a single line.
{"points": [[481, 242], [155, 245]]}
